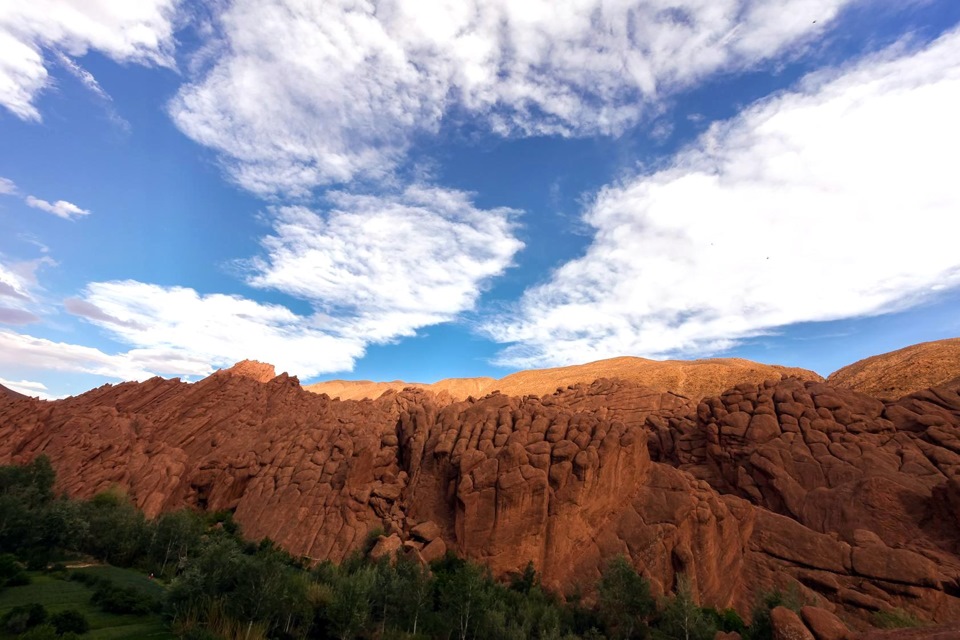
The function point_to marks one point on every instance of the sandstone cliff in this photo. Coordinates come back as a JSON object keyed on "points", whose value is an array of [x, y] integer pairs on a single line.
{"points": [[852, 501]]}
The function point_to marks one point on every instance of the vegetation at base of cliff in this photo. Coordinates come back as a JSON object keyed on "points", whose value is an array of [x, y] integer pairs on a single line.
{"points": [[209, 582]]}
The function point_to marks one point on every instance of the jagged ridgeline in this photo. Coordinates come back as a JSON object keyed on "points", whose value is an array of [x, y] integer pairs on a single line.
{"points": [[851, 501]]}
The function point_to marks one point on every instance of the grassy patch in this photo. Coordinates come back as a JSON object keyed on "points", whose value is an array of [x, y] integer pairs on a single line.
{"points": [[895, 619], [125, 578], [58, 595]]}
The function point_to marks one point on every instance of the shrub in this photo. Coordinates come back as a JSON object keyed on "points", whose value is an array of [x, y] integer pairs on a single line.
{"points": [[113, 599], [41, 632], [20, 579], [70, 621], [23, 617]]}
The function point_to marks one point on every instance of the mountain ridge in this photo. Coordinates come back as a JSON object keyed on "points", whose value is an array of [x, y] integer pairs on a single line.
{"points": [[785, 483], [692, 378]]}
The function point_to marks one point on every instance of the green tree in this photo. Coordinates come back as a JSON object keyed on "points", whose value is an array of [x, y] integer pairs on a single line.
{"points": [[463, 591], [175, 537], [683, 619], [624, 600], [349, 609], [414, 591], [117, 532]]}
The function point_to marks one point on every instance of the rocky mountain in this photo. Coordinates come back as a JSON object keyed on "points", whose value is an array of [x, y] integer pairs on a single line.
{"points": [[790, 483], [893, 375], [693, 378]]}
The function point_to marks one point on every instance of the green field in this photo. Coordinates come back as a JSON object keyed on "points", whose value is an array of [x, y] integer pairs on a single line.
{"points": [[57, 595]]}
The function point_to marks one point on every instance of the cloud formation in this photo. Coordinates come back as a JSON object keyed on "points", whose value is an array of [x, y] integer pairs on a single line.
{"points": [[388, 265], [177, 330], [139, 32], [301, 94], [27, 388], [40, 354], [60, 208], [16, 316], [374, 268], [835, 200], [7, 186]]}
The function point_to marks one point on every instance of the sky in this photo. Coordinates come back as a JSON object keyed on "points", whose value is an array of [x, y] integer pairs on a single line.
{"points": [[420, 190]]}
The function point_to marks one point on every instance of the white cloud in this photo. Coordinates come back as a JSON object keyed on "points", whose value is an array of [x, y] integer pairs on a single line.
{"points": [[301, 93], [18, 280], [7, 186], [60, 208], [34, 353], [90, 82], [140, 32], [836, 200], [387, 265], [373, 268], [28, 388], [177, 330], [16, 316]]}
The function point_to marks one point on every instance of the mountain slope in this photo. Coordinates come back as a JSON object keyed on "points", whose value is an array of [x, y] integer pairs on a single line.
{"points": [[889, 376]]}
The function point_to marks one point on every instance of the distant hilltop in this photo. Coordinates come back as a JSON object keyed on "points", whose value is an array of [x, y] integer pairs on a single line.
{"points": [[690, 378]]}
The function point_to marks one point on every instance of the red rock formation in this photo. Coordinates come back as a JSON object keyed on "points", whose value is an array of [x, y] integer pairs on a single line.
{"points": [[846, 500]]}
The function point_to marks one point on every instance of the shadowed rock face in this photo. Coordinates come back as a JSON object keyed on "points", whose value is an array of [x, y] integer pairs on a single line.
{"points": [[854, 501]]}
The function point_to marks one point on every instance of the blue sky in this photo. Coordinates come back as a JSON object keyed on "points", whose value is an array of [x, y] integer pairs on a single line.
{"points": [[407, 190]]}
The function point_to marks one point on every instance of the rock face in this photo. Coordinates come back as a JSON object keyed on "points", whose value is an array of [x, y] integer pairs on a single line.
{"points": [[891, 376], [848, 501], [694, 379]]}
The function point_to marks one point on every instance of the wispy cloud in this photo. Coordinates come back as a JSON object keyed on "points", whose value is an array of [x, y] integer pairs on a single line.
{"points": [[7, 186], [18, 279], [60, 208], [16, 316], [303, 94], [835, 200], [90, 82], [140, 32]]}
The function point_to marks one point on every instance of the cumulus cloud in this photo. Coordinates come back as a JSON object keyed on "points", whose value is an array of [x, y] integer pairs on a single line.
{"points": [[60, 208], [301, 94], [835, 200], [139, 32], [387, 265], [373, 268], [175, 329]]}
